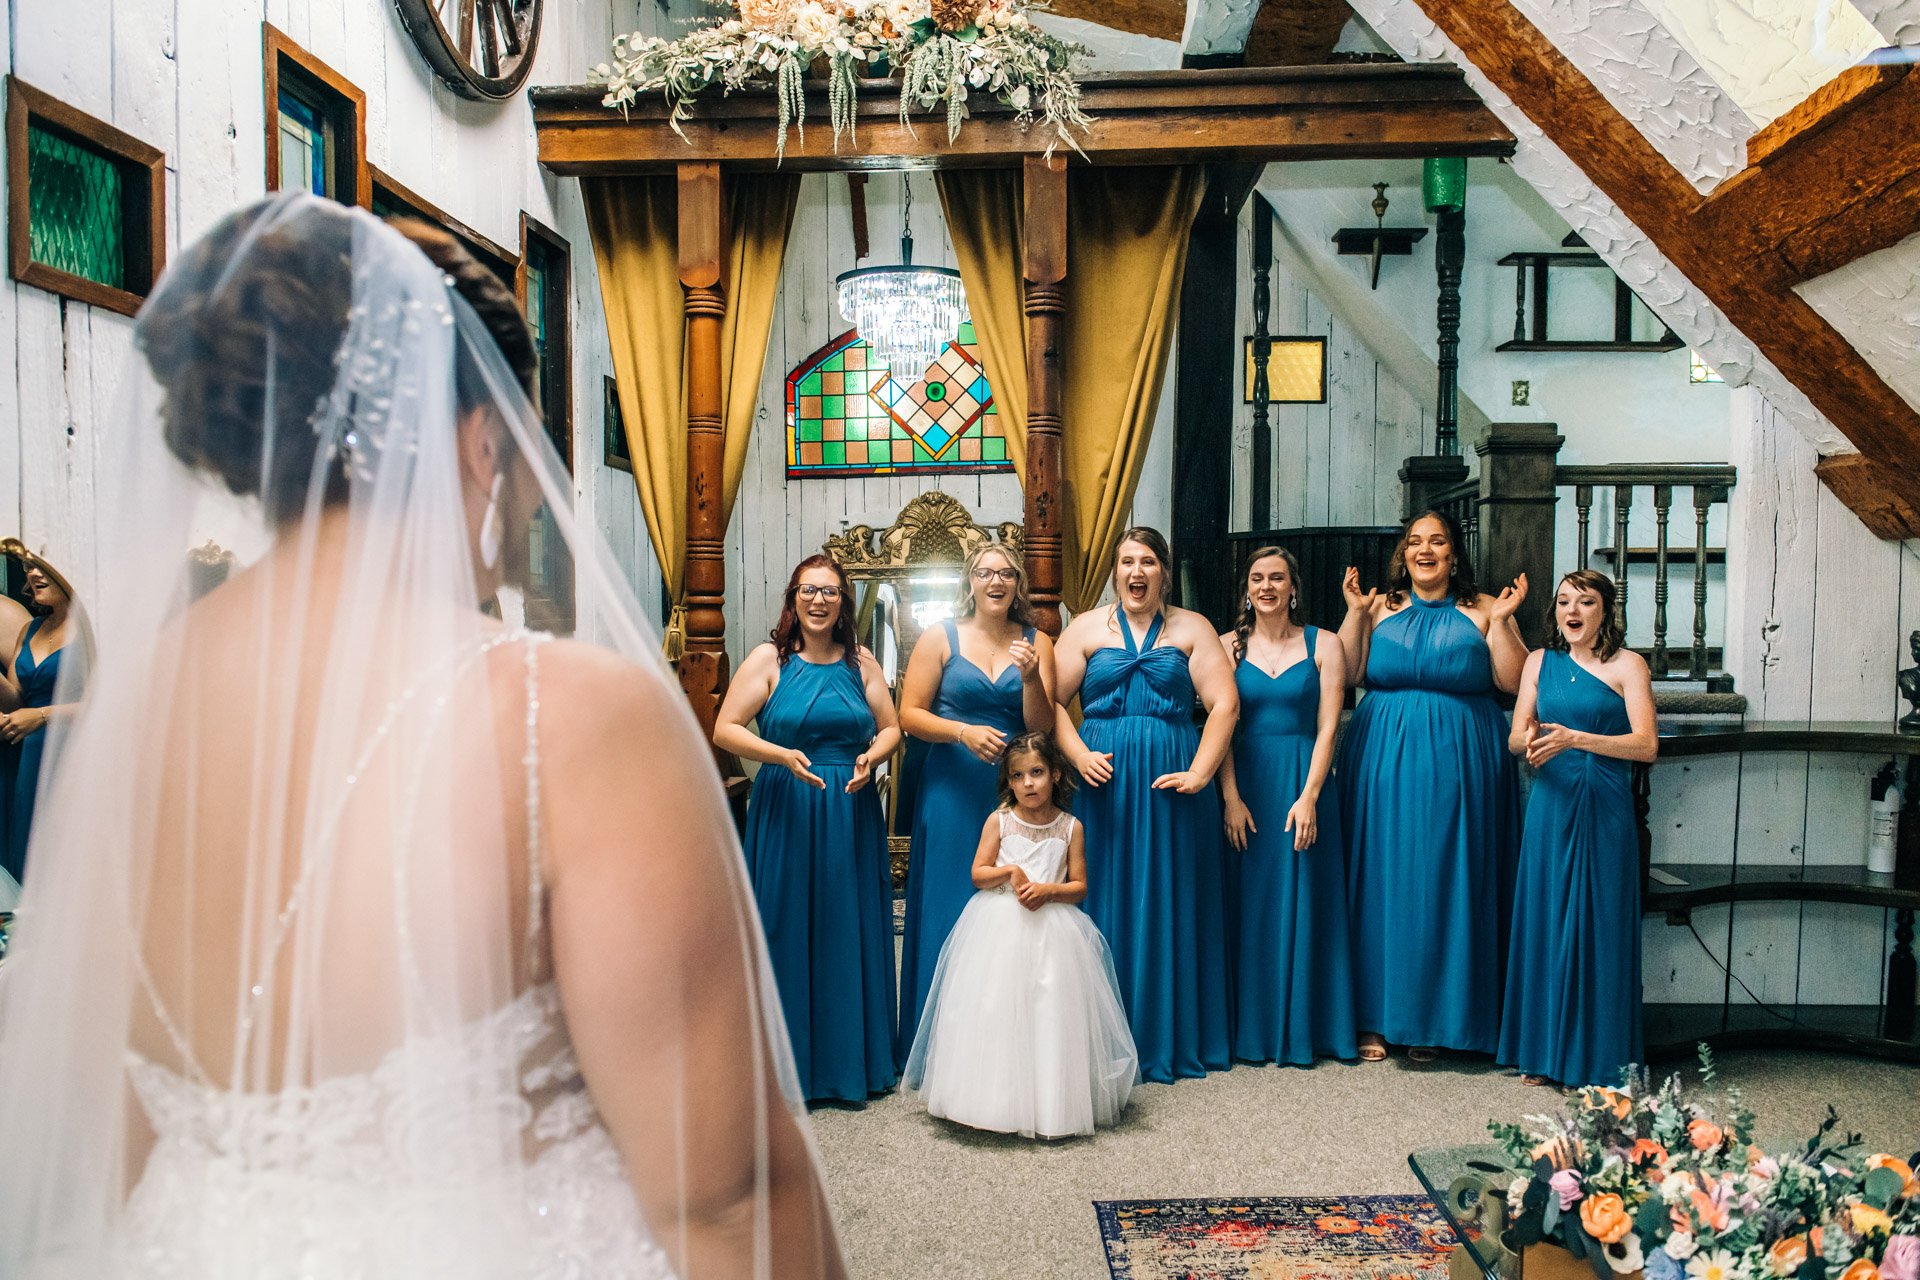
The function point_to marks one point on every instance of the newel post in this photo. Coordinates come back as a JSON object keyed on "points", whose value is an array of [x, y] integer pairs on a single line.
{"points": [[702, 225], [1044, 270], [1517, 496]]}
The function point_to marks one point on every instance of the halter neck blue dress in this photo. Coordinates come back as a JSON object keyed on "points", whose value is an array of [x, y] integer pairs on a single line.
{"points": [[37, 681], [1429, 797], [1287, 909], [1154, 858], [957, 792], [1573, 975], [818, 862]]}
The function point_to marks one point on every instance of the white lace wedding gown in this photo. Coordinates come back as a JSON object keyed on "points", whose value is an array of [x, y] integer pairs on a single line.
{"points": [[1024, 1031], [312, 1182]]}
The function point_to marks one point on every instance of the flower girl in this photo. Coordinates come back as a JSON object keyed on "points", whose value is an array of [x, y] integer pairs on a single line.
{"points": [[1023, 1030]]}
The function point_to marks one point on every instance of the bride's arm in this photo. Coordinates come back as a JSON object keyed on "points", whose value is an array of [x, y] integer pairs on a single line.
{"points": [[657, 956]]}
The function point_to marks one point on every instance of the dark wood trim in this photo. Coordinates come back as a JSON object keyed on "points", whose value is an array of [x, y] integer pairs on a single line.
{"points": [[1158, 117], [1862, 737], [1709, 884], [704, 669], [1674, 1031], [276, 45], [495, 256], [532, 229], [144, 169]]}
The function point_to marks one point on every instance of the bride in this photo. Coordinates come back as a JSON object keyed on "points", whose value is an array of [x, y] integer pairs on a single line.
{"points": [[371, 934]]}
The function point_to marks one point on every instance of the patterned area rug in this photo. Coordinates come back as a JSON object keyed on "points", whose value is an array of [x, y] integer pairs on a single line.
{"points": [[1275, 1238]]}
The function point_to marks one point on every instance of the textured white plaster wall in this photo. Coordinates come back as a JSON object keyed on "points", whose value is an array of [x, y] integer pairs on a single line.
{"points": [[1218, 26], [1769, 54], [1115, 50], [1652, 80], [1896, 20], [1874, 303]]}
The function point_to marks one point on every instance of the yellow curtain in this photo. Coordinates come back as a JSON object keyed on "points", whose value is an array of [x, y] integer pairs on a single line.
{"points": [[1127, 236], [635, 228]]}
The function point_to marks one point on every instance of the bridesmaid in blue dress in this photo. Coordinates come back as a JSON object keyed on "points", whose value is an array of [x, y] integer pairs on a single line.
{"points": [[972, 684], [1585, 711], [815, 840], [26, 698], [1429, 797], [1287, 875], [1151, 813]]}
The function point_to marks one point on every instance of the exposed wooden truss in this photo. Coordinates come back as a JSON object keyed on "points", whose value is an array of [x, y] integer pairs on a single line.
{"points": [[1169, 117], [1287, 33], [1811, 204]]}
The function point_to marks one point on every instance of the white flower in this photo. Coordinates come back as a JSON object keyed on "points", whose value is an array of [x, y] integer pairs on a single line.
{"points": [[904, 13], [1020, 97], [813, 26], [1680, 1246], [1718, 1265], [1626, 1257]]}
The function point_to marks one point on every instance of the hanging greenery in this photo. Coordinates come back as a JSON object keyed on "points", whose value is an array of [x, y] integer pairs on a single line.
{"points": [[943, 51]]}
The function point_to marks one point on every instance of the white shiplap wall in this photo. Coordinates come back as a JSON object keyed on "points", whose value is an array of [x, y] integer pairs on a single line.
{"points": [[186, 76]]}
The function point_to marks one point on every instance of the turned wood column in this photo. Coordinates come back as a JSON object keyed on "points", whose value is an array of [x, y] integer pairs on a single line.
{"points": [[704, 668], [1044, 269]]}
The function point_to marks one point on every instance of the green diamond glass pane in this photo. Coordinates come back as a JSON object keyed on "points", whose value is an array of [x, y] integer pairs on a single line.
{"points": [[76, 212]]}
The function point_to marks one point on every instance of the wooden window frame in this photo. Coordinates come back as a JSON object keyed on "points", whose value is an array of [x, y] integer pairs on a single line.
{"points": [[490, 253], [532, 229], [146, 171], [347, 100], [611, 417]]}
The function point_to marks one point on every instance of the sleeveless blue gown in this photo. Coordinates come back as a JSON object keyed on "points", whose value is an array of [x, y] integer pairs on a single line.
{"points": [[957, 792], [1154, 859], [1287, 910], [1573, 974], [818, 863], [1429, 799], [36, 680]]}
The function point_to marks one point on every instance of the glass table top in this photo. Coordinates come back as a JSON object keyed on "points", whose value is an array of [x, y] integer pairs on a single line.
{"points": [[1468, 1186]]}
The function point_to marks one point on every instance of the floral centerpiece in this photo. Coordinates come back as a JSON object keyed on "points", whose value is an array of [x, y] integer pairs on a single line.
{"points": [[1644, 1178], [942, 51]]}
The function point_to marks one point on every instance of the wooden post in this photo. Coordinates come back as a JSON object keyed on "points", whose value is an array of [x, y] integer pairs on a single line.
{"points": [[1426, 474], [1517, 496], [704, 668], [1045, 271], [1449, 256], [1207, 397]]}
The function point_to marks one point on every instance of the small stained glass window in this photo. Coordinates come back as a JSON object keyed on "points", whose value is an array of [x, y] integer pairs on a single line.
{"points": [[847, 415], [1699, 370], [77, 217]]}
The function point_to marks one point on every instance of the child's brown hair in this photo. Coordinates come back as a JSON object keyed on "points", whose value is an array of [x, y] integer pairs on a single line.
{"points": [[1042, 745]]}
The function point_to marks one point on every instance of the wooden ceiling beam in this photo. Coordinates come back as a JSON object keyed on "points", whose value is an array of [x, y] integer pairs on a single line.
{"points": [[1161, 19], [1296, 33], [1158, 117], [1700, 240]]}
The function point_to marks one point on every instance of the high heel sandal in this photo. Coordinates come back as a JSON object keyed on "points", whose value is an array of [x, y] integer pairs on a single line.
{"points": [[1423, 1054], [1372, 1048]]}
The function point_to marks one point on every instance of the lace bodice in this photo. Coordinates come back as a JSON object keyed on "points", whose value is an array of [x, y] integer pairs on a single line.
{"points": [[357, 1176], [1041, 852]]}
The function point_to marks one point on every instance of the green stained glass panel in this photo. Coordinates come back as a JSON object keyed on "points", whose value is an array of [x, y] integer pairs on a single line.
{"points": [[77, 208], [847, 415]]}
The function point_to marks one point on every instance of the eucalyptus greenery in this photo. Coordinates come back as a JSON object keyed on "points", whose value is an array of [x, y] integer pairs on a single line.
{"points": [[773, 43]]}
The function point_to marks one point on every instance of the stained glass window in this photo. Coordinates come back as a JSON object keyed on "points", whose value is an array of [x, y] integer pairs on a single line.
{"points": [[303, 146], [847, 415], [77, 208], [1699, 370]]}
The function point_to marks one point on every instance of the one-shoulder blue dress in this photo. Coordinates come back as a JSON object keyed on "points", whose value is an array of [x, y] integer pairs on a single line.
{"points": [[818, 862], [957, 792], [1154, 858], [1287, 909], [1429, 797], [37, 681], [1573, 974]]}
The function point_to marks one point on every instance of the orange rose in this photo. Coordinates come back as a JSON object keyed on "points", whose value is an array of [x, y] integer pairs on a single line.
{"points": [[1605, 1217], [1601, 1098], [1705, 1135], [1867, 1220], [1860, 1269], [1787, 1256], [1710, 1213], [1645, 1149], [1560, 1152], [1901, 1167]]}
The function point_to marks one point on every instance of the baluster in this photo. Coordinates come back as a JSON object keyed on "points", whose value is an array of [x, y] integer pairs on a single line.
{"points": [[1622, 504], [1704, 496], [1662, 501], [1520, 302], [1583, 504]]}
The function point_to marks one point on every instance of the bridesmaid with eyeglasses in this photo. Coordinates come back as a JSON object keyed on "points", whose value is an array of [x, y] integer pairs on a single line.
{"points": [[973, 683], [815, 840]]}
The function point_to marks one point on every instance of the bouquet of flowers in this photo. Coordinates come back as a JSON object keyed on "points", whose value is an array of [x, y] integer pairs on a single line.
{"points": [[942, 50], [1644, 1178]]}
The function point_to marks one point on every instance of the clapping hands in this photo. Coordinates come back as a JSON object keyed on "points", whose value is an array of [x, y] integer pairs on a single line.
{"points": [[1355, 597], [1509, 599]]}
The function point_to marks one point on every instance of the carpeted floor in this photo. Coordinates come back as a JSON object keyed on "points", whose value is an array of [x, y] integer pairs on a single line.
{"points": [[920, 1198]]}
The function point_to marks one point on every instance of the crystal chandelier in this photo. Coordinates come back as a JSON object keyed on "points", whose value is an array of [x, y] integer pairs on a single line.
{"points": [[907, 314]]}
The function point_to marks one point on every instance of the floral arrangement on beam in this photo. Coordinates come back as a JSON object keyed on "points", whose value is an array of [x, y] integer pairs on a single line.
{"points": [[943, 51], [1644, 1180]]}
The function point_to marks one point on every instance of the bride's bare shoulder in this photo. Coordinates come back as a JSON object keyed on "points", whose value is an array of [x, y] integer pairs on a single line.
{"points": [[585, 689]]}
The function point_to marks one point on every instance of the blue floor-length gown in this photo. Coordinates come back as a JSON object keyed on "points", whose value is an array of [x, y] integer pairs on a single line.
{"points": [[1154, 859], [957, 791], [1572, 1010], [818, 862], [36, 681], [1287, 909], [1429, 799]]}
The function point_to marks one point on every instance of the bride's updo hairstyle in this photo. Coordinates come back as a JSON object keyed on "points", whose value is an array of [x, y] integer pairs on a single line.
{"points": [[243, 345]]}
